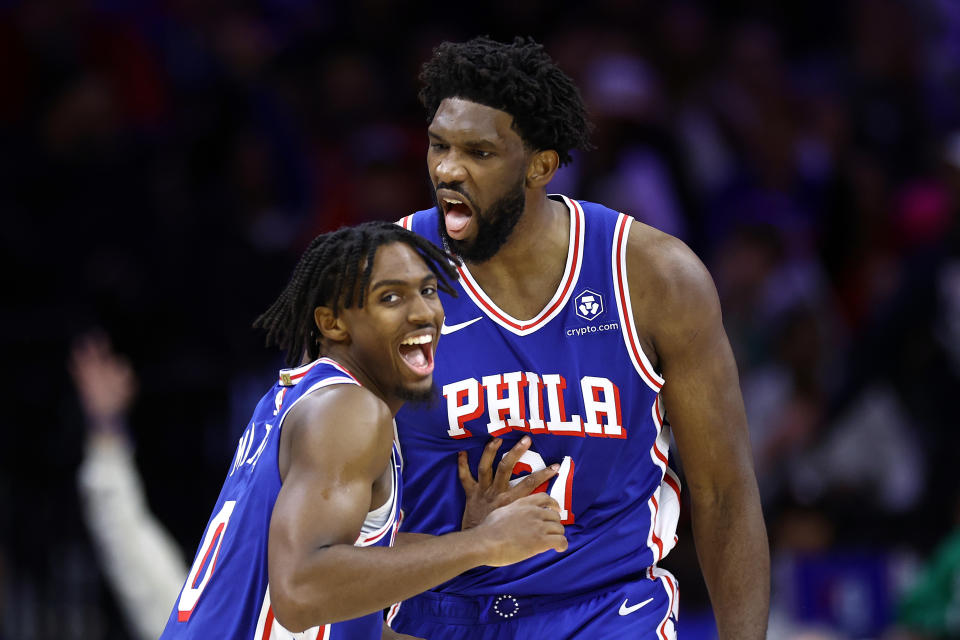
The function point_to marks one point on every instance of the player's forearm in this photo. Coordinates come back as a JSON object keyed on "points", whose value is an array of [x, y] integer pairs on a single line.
{"points": [[406, 537], [343, 582], [731, 543]]}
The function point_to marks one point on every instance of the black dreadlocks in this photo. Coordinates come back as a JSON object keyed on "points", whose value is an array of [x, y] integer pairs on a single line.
{"points": [[334, 272], [519, 78]]}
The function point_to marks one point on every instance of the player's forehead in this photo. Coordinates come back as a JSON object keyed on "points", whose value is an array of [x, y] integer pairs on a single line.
{"points": [[396, 262], [463, 120]]}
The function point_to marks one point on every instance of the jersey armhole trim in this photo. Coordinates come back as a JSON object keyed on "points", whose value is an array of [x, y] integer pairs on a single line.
{"points": [[326, 382], [369, 535], [621, 289]]}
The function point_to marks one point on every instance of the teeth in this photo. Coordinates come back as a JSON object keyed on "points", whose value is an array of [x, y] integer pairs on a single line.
{"points": [[450, 201], [418, 340]]}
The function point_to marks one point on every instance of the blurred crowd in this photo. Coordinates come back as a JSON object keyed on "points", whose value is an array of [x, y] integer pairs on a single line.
{"points": [[163, 163]]}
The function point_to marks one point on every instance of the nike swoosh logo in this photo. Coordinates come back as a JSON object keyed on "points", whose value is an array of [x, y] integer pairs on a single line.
{"points": [[625, 610], [445, 329]]}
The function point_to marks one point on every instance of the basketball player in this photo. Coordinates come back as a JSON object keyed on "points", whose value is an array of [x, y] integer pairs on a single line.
{"points": [[594, 336], [300, 538]]}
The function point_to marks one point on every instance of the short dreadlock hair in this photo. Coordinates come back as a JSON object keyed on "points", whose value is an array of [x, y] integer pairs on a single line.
{"points": [[334, 272], [518, 78]]}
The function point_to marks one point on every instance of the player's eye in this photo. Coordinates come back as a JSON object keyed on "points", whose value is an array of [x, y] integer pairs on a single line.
{"points": [[428, 291], [438, 146], [389, 298], [479, 153]]}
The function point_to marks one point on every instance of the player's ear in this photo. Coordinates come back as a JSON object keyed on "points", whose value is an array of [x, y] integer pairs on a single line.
{"points": [[331, 325], [542, 166]]}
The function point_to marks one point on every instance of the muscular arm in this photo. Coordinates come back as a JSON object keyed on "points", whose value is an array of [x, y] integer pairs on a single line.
{"points": [[334, 446], [677, 305]]}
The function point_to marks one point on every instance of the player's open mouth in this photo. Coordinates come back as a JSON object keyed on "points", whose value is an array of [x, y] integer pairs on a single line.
{"points": [[417, 352], [456, 213]]}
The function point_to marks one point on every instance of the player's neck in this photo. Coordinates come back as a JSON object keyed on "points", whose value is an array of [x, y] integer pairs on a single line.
{"points": [[523, 276], [543, 227]]}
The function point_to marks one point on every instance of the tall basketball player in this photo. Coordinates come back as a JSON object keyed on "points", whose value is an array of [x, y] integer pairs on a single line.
{"points": [[591, 334], [299, 543]]}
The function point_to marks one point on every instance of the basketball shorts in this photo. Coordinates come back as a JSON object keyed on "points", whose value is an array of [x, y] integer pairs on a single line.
{"points": [[645, 609]]}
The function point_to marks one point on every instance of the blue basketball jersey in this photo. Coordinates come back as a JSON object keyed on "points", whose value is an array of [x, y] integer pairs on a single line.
{"points": [[226, 593], [575, 379]]}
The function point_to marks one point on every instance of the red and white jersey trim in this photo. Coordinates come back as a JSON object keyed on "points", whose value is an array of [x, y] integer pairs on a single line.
{"points": [[269, 629], [622, 292], [291, 377], [664, 504], [406, 222], [371, 532], [392, 613], [561, 296], [396, 439], [666, 629]]}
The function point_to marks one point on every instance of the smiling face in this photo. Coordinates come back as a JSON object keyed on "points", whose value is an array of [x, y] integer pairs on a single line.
{"points": [[477, 164], [392, 338]]}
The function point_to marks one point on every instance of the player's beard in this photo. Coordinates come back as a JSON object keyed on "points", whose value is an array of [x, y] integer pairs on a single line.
{"points": [[425, 398], [494, 226]]}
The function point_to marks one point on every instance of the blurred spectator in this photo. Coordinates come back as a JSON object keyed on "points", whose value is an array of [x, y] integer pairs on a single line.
{"points": [[871, 458], [142, 562], [785, 399]]}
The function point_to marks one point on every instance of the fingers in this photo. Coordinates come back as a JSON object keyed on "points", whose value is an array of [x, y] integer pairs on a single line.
{"points": [[84, 354], [558, 543], [463, 470], [91, 346], [552, 528], [508, 462], [541, 500], [529, 483], [553, 536], [484, 470], [105, 382], [92, 357]]}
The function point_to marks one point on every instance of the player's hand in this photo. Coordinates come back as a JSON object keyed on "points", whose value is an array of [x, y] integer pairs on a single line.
{"points": [[106, 383], [490, 491], [522, 529]]}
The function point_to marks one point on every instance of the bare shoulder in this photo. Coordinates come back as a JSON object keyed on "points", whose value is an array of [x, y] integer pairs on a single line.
{"points": [[667, 263], [672, 294], [344, 422], [665, 272], [346, 403]]}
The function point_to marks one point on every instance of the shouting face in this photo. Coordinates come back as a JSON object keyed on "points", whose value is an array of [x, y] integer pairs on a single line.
{"points": [[477, 164]]}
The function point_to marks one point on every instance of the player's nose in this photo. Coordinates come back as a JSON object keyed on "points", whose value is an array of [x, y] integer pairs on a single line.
{"points": [[449, 168], [421, 311]]}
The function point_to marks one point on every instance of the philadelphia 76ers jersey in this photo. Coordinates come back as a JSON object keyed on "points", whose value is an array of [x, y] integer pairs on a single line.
{"points": [[226, 594], [573, 378]]}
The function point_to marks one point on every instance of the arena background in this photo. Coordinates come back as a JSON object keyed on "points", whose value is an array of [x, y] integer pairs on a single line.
{"points": [[162, 164]]}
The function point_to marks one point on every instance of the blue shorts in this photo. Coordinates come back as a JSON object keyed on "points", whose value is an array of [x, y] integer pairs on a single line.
{"points": [[645, 609]]}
